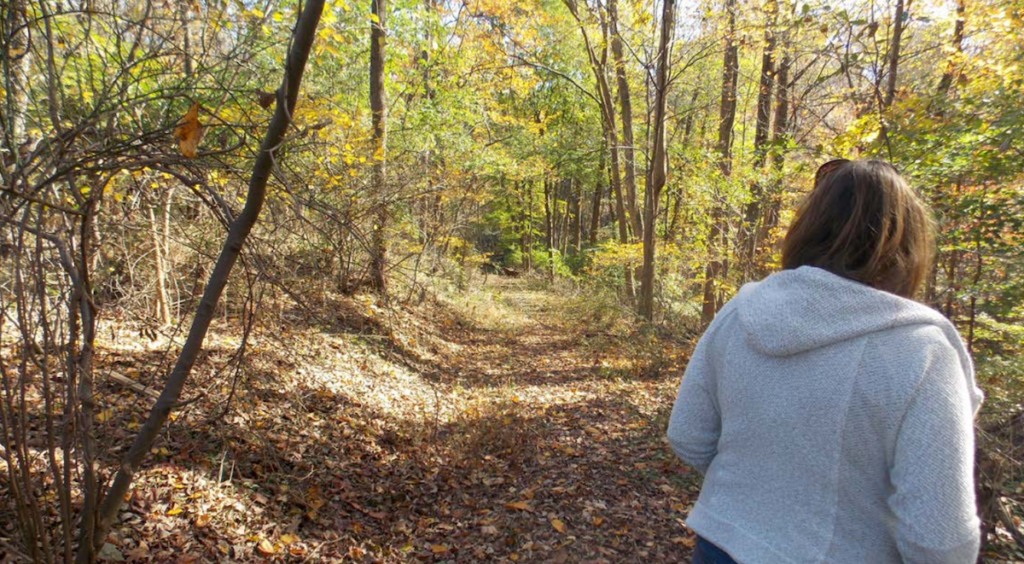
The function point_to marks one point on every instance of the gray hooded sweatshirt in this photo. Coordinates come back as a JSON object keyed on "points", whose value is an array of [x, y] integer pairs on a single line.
{"points": [[833, 423]]}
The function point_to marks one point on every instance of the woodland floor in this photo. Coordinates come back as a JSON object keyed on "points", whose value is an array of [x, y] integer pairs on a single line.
{"points": [[506, 424]]}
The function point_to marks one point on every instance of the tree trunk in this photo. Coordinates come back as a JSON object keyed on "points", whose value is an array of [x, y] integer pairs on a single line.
{"points": [[287, 96], [780, 140], [607, 107], [529, 225], [953, 62], [953, 263], [595, 212], [427, 223], [521, 218], [626, 108], [952, 275], [565, 225], [18, 60], [727, 107], [549, 227], [90, 536], [378, 259], [620, 213], [941, 99], [727, 117], [978, 267], [957, 43], [577, 216], [894, 52], [17, 65], [658, 174], [767, 82], [687, 134], [930, 287], [160, 246], [752, 211]]}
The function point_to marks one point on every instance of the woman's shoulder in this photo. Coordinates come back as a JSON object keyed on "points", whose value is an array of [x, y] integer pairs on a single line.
{"points": [[917, 343], [899, 360]]}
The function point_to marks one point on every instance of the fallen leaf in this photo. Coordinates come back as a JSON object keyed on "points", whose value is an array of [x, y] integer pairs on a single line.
{"points": [[559, 525], [140, 553], [289, 539], [688, 542], [265, 548], [518, 505], [438, 548], [203, 520], [175, 511]]}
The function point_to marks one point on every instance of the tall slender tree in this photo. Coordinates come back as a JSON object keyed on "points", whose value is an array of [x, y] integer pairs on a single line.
{"points": [[626, 114], [717, 265], [378, 39], [895, 44], [595, 211], [658, 174], [957, 49], [752, 210], [599, 67]]}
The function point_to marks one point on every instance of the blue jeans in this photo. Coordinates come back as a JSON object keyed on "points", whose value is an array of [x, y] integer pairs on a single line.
{"points": [[706, 553]]}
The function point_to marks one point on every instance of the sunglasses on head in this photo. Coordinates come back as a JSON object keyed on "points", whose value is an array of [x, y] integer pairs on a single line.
{"points": [[828, 168], [831, 166]]}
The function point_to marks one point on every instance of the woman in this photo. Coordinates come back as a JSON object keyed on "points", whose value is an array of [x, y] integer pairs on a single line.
{"points": [[831, 415]]}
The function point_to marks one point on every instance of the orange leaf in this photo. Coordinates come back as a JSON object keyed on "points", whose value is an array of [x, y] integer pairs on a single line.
{"points": [[518, 505], [688, 542], [559, 525], [190, 132], [203, 520], [438, 548]]}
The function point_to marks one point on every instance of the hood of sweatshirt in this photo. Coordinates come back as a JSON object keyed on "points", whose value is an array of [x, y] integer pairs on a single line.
{"points": [[798, 310]]}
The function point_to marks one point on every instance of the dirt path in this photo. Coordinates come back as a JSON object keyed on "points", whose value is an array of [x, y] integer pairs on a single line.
{"points": [[576, 469], [509, 425]]}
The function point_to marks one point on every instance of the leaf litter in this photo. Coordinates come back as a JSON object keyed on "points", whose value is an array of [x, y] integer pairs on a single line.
{"points": [[494, 428]]}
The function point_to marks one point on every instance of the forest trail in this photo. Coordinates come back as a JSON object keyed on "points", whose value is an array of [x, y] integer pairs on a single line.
{"points": [[564, 461], [497, 427]]}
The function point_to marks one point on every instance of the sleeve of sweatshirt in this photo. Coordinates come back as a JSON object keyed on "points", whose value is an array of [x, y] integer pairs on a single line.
{"points": [[933, 495], [695, 424]]}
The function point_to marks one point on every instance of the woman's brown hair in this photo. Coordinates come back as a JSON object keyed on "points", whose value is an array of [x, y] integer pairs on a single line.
{"points": [[862, 221]]}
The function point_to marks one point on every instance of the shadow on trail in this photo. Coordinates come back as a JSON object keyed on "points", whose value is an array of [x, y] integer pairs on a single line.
{"points": [[540, 453], [487, 487]]}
